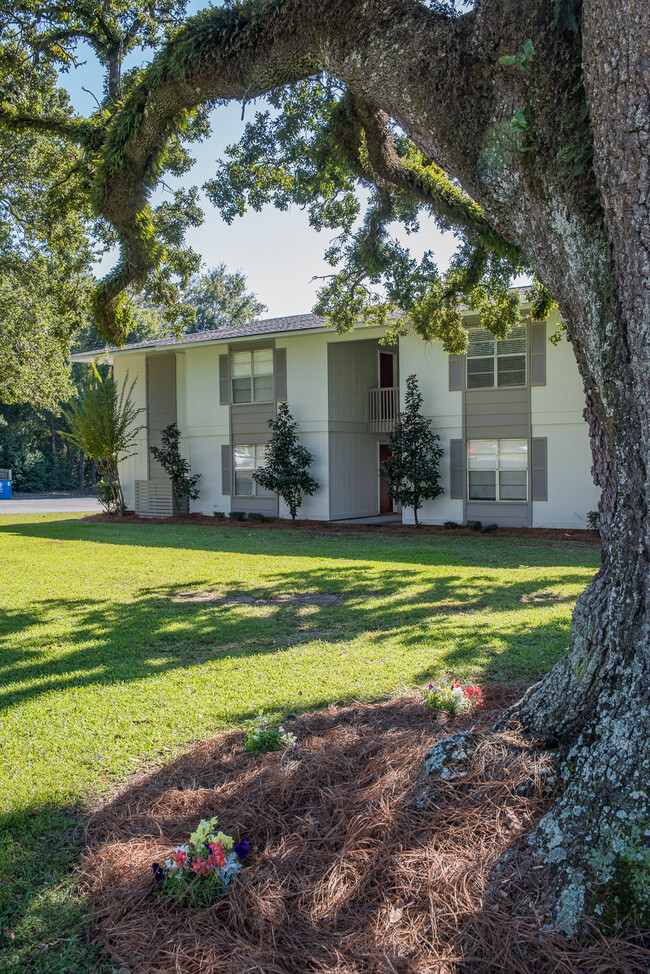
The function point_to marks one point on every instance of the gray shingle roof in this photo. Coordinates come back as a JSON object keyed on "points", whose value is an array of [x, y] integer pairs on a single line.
{"points": [[268, 326]]}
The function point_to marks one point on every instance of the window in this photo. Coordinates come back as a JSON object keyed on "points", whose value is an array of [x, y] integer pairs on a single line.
{"points": [[497, 470], [252, 376], [245, 460], [496, 364]]}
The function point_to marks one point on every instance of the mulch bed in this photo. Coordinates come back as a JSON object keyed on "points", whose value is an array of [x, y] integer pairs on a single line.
{"points": [[334, 529], [358, 865]]}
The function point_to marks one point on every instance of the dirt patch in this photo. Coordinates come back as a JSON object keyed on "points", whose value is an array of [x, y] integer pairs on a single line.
{"points": [[326, 529], [286, 598], [358, 865]]}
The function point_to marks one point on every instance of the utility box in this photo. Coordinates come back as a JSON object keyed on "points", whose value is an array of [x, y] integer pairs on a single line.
{"points": [[5, 484]]}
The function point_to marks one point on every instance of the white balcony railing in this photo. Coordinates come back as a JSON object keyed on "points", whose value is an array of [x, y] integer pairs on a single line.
{"points": [[383, 409]]}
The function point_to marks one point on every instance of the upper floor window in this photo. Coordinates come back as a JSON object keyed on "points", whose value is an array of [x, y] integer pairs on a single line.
{"points": [[493, 364], [252, 376]]}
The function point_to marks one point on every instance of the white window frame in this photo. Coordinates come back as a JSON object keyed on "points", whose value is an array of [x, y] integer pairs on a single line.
{"points": [[496, 355], [251, 375], [498, 469], [257, 451]]}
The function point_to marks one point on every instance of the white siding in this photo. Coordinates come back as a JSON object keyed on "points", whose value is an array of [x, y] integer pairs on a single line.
{"points": [[205, 425], [556, 413], [136, 467]]}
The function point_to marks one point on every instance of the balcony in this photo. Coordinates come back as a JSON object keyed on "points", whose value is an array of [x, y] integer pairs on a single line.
{"points": [[383, 409]]}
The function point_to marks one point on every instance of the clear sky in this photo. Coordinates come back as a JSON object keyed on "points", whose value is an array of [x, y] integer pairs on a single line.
{"points": [[279, 252]]}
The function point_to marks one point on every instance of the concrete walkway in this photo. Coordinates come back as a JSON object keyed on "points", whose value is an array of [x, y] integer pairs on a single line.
{"points": [[375, 519], [50, 504]]}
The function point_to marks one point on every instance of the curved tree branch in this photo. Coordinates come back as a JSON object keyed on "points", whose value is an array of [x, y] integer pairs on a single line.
{"points": [[241, 53]]}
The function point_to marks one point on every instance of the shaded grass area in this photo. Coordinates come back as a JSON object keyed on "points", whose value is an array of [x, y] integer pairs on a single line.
{"points": [[104, 670]]}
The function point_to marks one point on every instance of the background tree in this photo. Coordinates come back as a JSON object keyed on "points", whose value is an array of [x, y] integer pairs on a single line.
{"points": [[524, 128], [101, 423], [286, 463], [412, 470], [221, 299], [184, 484]]}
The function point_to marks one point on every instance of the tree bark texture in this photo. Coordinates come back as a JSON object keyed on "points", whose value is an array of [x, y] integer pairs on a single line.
{"points": [[586, 235]]}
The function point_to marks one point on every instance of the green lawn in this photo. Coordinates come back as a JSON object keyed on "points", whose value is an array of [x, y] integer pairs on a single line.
{"points": [[104, 671]]}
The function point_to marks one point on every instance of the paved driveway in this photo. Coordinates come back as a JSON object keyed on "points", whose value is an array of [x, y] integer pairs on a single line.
{"points": [[49, 504]]}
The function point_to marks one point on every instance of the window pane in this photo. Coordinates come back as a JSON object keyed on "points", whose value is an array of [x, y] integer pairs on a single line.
{"points": [[480, 342], [511, 371], [259, 455], [243, 457], [482, 454], [480, 373], [513, 485], [241, 390], [482, 485], [243, 483], [263, 388], [241, 364], [263, 362], [513, 455], [514, 343]]}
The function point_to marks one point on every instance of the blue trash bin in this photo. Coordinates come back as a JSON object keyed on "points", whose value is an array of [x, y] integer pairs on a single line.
{"points": [[5, 485]]}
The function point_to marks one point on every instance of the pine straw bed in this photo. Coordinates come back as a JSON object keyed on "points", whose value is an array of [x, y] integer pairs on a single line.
{"points": [[358, 864]]}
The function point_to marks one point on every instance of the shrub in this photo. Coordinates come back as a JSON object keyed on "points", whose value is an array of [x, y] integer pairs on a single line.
{"points": [[474, 525], [102, 424], [412, 469], [263, 737], [594, 520], [450, 525], [488, 528], [453, 698], [256, 516], [238, 515], [175, 466], [219, 515], [286, 463]]}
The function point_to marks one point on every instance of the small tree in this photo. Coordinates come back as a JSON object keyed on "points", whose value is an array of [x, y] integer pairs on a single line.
{"points": [[412, 470], [177, 467], [286, 463], [101, 424]]}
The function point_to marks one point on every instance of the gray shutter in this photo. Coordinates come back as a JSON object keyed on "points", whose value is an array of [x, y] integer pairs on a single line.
{"points": [[457, 469], [539, 467], [224, 380], [281, 374], [538, 353], [456, 364], [226, 469]]}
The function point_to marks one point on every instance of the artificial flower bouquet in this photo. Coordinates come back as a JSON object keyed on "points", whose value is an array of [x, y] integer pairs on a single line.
{"points": [[198, 873], [453, 698], [263, 737]]}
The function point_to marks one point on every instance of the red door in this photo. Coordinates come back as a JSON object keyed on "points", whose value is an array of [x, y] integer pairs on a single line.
{"points": [[385, 502]]}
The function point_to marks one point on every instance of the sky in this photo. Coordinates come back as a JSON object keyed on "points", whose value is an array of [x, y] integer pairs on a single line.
{"points": [[278, 251]]}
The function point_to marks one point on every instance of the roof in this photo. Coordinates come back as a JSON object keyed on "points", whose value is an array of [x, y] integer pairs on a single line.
{"points": [[267, 326]]}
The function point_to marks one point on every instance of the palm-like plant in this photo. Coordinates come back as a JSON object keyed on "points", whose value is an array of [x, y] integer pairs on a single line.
{"points": [[102, 424]]}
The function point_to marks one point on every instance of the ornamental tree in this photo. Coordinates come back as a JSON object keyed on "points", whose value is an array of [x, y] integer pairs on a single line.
{"points": [[412, 470], [184, 484], [286, 463], [525, 128], [102, 424]]}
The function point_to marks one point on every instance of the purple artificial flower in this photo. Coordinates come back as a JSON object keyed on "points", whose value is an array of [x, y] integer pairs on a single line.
{"points": [[241, 850], [158, 872]]}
